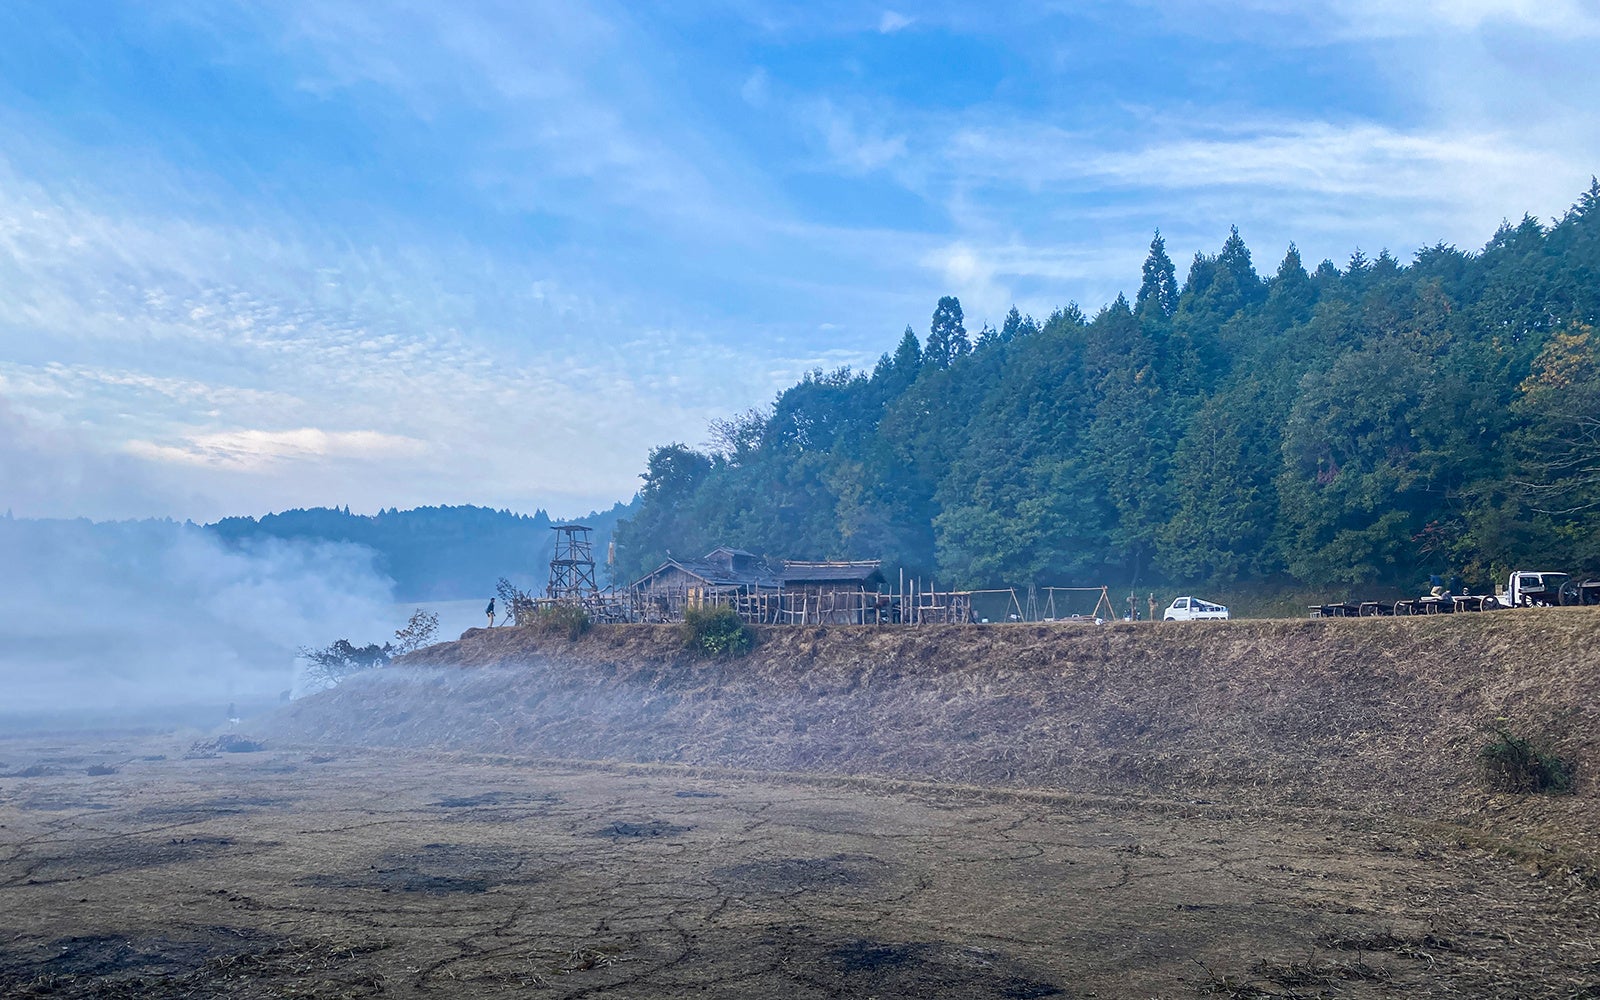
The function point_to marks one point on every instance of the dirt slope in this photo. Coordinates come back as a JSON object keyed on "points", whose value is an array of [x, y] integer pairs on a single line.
{"points": [[1350, 714]]}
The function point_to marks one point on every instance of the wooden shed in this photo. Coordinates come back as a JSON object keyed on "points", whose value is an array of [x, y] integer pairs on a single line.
{"points": [[833, 593], [723, 576]]}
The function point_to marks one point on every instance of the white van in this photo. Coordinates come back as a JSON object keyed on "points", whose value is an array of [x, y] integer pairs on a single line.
{"points": [[1188, 609]]}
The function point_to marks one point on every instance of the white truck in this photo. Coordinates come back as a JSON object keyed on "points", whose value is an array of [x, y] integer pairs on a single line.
{"points": [[1189, 609], [1544, 589]]}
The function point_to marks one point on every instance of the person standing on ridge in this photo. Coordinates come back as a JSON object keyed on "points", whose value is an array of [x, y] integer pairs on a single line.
{"points": [[490, 612]]}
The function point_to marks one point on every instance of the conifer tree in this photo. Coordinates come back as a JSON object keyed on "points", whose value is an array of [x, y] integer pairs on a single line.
{"points": [[947, 337], [1012, 327], [908, 356], [1158, 293]]}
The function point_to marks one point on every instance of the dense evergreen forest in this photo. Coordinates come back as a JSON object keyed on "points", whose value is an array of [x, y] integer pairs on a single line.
{"points": [[435, 553], [1369, 424]]}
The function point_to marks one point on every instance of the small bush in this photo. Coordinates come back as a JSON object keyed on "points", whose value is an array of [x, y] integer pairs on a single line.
{"points": [[419, 631], [228, 743], [716, 630], [332, 664], [562, 619], [1512, 764], [519, 606]]}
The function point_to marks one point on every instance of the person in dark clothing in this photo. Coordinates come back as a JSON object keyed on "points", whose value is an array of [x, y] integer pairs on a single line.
{"points": [[490, 612]]}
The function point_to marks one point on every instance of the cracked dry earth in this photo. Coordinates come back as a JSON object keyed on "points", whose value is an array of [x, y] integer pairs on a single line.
{"points": [[354, 873]]}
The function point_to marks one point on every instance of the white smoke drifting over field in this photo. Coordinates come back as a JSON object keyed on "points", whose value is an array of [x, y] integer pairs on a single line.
{"points": [[136, 615], [99, 619]]}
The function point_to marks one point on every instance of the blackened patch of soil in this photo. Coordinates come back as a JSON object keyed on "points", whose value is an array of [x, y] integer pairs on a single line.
{"points": [[107, 955], [787, 876], [228, 805], [31, 771], [649, 828], [123, 854], [435, 868], [867, 967], [202, 962], [497, 799], [873, 956], [47, 803]]}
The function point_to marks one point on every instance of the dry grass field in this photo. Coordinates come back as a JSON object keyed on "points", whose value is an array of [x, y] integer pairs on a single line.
{"points": [[353, 873], [1246, 809]]}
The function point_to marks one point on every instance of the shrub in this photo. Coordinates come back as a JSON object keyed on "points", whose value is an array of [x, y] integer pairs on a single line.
{"points": [[419, 631], [332, 664], [519, 606], [1512, 764], [716, 630], [558, 619]]}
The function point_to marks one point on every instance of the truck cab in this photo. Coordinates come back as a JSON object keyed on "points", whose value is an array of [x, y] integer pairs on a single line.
{"points": [[1527, 589], [1188, 609]]}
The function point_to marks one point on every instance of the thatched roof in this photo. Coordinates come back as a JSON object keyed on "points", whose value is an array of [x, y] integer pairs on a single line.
{"points": [[861, 573]]}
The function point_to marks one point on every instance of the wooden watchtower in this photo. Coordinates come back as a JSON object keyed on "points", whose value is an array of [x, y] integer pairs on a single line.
{"points": [[572, 565]]}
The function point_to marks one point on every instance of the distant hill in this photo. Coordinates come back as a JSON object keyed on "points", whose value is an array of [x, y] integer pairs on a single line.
{"points": [[436, 553]]}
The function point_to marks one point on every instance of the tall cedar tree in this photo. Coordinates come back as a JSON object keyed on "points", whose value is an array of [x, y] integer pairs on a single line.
{"points": [[1158, 292]]}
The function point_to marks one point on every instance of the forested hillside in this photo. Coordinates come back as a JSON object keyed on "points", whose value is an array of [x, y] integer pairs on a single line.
{"points": [[435, 553], [1365, 424]]}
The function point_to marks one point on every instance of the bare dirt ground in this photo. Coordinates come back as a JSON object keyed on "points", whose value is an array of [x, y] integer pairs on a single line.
{"points": [[134, 869]]}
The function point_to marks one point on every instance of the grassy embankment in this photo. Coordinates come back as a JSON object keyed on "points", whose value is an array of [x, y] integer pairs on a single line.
{"points": [[1346, 714]]}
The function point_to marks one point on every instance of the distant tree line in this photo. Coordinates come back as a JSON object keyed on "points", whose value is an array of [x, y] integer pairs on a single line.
{"points": [[434, 553], [1369, 423]]}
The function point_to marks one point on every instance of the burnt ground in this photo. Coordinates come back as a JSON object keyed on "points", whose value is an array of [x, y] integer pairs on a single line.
{"points": [[333, 872]]}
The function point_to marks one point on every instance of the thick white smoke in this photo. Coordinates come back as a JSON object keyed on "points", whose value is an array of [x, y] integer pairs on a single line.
{"points": [[100, 618], [147, 614]]}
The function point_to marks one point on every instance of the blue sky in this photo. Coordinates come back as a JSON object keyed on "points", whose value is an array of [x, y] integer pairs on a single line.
{"points": [[326, 252]]}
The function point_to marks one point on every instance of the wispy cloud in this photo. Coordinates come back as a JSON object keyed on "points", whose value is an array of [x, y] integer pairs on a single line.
{"points": [[258, 449], [893, 21], [228, 353], [1316, 157], [1565, 18], [851, 144]]}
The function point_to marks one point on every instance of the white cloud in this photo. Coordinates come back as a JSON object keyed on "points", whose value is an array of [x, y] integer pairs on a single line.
{"points": [[1332, 185], [190, 349], [1379, 18], [893, 21], [989, 278], [260, 449], [851, 146], [569, 87], [1295, 23], [1359, 158], [52, 471], [757, 88]]}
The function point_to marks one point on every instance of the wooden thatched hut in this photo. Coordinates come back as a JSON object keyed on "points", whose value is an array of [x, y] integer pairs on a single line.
{"points": [[836, 593]]}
